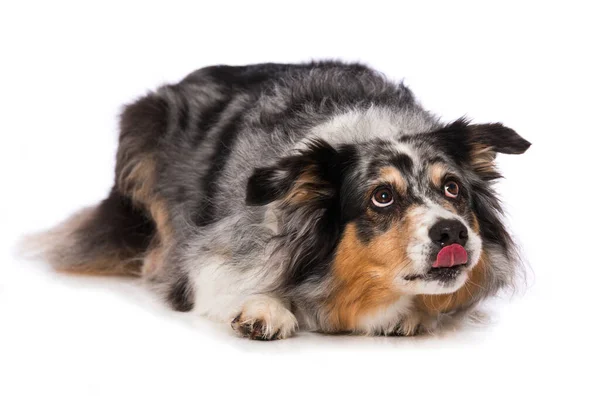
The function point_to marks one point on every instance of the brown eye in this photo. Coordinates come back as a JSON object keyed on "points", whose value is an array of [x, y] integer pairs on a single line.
{"points": [[382, 197], [451, 189]]}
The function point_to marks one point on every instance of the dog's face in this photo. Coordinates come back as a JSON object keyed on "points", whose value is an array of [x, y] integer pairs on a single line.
{"points": [[408, 219], [411, 214]]}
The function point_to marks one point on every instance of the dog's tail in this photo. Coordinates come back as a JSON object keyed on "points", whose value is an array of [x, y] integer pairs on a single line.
{"points": [[110, 238], [115, 236]]}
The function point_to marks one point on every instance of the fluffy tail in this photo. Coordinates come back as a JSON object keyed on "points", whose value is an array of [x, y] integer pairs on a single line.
{"points": [[110, 238]]}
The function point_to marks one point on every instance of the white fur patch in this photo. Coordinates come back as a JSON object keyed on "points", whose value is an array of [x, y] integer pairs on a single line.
{"points": [[419, 249], [274, 316], [221, 290], [384, 319], [356, 126]]}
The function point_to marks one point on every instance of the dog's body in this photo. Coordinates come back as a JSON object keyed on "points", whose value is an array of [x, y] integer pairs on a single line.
{"points": [[319, 196]]}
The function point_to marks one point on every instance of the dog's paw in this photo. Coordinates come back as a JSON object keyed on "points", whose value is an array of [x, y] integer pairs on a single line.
{"points": [[264, 318], [414, 324]]}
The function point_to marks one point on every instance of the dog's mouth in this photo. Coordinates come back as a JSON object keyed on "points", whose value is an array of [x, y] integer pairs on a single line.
{"points": [[449, 263], [445, 274], [451, 256]]}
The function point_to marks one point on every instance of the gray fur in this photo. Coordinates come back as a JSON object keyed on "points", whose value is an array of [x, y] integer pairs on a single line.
{"points": [[207, 135]]}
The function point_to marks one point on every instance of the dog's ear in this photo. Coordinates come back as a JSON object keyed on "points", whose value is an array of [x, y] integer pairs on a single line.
{"points": [[478, 144], [499, 138], [310, 174], [308, 186]]}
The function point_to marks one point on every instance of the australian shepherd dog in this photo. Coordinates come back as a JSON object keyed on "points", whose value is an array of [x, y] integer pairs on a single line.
{"points": [[317, 196]]}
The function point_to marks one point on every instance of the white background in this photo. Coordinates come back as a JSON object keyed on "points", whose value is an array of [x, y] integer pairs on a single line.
{"points": [[67, 68]]}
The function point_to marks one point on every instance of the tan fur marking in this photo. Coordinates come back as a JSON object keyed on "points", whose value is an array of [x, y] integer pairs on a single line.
{"points": [[475, 223], [68, 256], [392, 175], [365, 274], [449, 206], [435, 304], [154, 260], [117, 265], [437, 172], [160, 215], [306, 188], [137, 179], [482, 159]]}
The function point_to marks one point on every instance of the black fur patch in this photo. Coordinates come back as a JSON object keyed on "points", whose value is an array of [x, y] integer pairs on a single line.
{"points": [[264, 187], [181, 294], [487, 208], [458, 138], [271, 183], [208, 118], [205, 214], [118, 224], [184, 115], [314, 247], [404, 164], [499, 137]]}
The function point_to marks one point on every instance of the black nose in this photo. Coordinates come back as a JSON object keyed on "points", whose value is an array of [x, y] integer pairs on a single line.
{"points": [[449, 231]]}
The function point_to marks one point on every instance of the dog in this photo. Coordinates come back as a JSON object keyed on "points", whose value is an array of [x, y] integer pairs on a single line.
{"points": [[317, 196]]}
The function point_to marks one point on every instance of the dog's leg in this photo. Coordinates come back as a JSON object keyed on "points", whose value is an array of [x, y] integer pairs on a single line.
{"points": [[414, 323], [264, 317]]}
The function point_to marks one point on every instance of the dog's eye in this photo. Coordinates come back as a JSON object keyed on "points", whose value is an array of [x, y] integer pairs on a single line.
{"points": [[451, 189], [382, 197]]}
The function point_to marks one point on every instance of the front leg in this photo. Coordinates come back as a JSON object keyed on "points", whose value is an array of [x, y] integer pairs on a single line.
{"points": [[414, 323], [264, 317]]}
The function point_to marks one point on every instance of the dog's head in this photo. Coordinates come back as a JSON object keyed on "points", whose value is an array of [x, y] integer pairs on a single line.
{"points": [[410, 214]]}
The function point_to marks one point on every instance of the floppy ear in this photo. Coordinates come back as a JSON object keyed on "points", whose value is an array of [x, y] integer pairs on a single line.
{"points": [[498, 138], [311, 174], [308, 184], [478, 144]]}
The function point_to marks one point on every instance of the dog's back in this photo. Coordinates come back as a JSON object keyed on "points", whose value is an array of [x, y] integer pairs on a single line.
{"points": [[186, 151]]}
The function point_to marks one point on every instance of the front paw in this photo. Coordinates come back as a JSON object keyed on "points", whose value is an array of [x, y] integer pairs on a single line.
{"points": [[414, 324], [264, 318]]}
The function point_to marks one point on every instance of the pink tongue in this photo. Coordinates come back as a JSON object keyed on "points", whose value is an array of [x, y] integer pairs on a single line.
{"points": [[450, 256]]}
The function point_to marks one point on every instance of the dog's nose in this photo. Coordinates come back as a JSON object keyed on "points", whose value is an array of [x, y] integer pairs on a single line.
{"points": [[449, 231]]}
